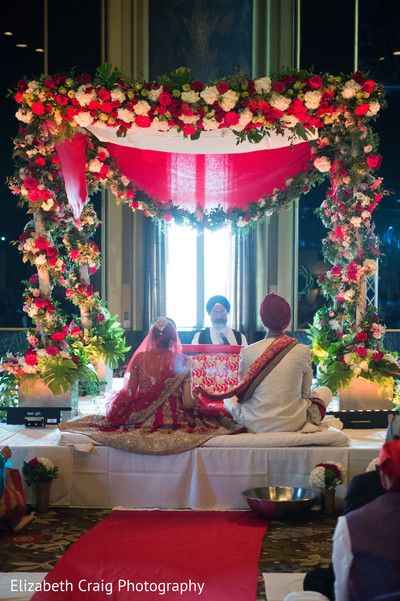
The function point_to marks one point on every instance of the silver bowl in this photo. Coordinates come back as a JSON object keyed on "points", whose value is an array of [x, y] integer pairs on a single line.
{"points": [[281, 501]]}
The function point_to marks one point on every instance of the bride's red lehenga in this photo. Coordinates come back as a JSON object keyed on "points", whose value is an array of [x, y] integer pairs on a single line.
{"points": [[148, 415]]}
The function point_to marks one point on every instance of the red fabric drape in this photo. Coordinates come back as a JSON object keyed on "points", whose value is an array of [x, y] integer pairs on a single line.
{"points": [[205, 181], [72, 155]]}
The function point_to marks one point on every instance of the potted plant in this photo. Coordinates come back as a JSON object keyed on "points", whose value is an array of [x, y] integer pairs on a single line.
{"points": [[40, 471]]}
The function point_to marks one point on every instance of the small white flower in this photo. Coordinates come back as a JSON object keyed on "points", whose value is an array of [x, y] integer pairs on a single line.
{"points": [[84, 119]]}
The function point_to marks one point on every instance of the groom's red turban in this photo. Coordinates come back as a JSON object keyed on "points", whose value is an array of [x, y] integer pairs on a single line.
{"points": [[275, 312]]}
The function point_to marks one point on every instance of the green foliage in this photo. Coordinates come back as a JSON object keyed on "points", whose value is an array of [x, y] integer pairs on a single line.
{"points": [[105, 339], [8, 393], [60, 374], [107, 75], [178, 78]]}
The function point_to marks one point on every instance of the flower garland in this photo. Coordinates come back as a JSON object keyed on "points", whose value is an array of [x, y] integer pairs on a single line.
{"points": [[60, 246]]}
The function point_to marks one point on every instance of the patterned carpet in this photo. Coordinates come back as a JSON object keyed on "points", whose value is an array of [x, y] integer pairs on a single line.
{"points": [[290, 546]]}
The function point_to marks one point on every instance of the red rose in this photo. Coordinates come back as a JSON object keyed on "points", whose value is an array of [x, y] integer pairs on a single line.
{"points": [[51, 251], [34, 279], [377, 356], [42, 243], [85, 78], [38, 108], [106, 107], [361, 336], [336, 270], [315, 82], [40, 162], [368, 86], [164, 99], [52, 350], [92, 270], [100, 317], [134, 204], [62, 100], [143, 121], [222, 87], [130, 194], [374, 161], [189, 130], [279, 87], [33, 461], [102, 155], [361, 351], [22, 85], [362, 109], [104, 95], [232, 118], [168, 217], [19, 97], [57, 336], [31, 358], [341, 358], [198, 86], [358, 77]]}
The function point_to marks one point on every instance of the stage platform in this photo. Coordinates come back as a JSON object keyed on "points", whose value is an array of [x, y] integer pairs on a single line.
{"points": [[209, 477]]}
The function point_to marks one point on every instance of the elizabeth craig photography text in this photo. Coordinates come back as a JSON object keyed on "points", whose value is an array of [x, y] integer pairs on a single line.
{"points": [[121, 585]]}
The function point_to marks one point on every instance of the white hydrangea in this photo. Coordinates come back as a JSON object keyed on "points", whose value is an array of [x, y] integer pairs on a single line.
{"points": [[228, 100], [84, 119], [117, 95], [209, 94], [263, 84], [280, 102], [244, 119], [126, 115], [142, 107], [356, 222], [350, 89], [154, 94], [191, 96], [25, 117], [312, 99], [317, 477]]}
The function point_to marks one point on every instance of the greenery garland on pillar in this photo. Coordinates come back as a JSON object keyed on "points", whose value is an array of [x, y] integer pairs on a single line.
{"points": [[347, 336]]}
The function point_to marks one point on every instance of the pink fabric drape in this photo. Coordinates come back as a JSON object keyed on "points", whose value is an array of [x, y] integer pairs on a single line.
{"points": [[72, 155]]}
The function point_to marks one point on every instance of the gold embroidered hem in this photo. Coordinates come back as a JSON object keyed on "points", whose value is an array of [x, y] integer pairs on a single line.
{"points": [[163, 441]]}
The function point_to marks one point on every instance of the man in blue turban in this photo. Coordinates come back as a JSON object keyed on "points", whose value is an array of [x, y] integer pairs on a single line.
{"points": [[218, 308]]}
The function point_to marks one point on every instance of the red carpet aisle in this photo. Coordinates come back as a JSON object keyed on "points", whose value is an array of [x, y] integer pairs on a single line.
{"points": [[166, 555]]}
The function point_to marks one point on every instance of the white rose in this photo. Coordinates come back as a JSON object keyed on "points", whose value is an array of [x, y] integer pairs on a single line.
{"points": [[83, 97], [210, 124], [364, 366], [159, 125], [350, 89], [32, 86], [190, 96], [312, 99], [263, 84], [373, 108], [124, 181], [40, 260], [366, 215], [322, 164], [125, 115], [95, 166], [289, 120], [228, 100], [154, 94], [84, 119], [370, 266], [189, 119], [25, 117], [280, 102], [209, 94], [348, 295], [117, 94], [47, 204], [142, 107], [356, 221]]}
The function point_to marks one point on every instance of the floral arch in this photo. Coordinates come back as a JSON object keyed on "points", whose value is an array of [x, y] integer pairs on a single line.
{"points": [[292, 131]]}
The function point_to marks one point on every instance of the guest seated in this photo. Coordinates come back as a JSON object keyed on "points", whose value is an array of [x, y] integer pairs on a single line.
{"points": [[218, 308], [366, 552], [275, 376], [12, 496]]}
